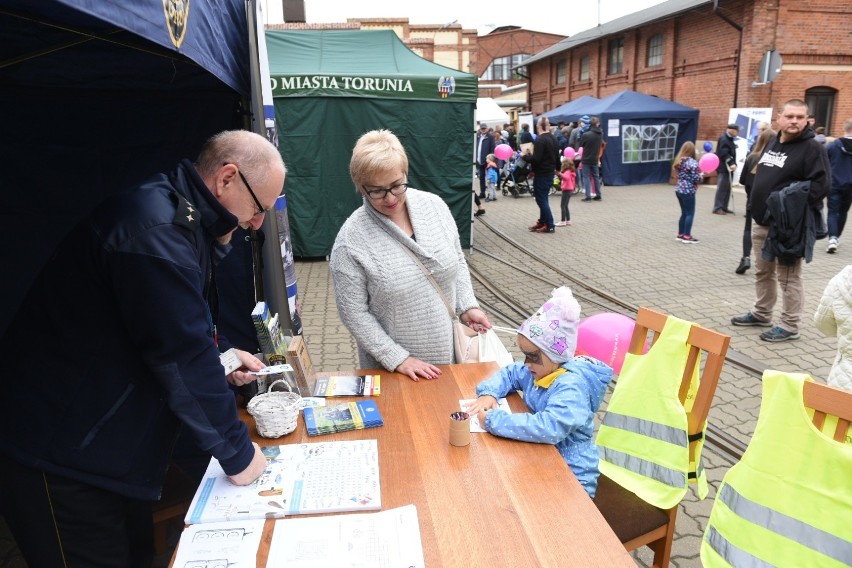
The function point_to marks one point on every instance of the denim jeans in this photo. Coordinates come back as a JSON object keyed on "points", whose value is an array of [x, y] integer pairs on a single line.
{"points": [[541, 189], [839, 200], [589, 172], [687, 212]]}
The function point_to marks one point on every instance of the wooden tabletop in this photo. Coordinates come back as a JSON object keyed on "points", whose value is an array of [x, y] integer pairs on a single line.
{"points": [[496, 502]]}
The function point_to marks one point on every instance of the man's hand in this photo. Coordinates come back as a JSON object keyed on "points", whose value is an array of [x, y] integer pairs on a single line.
{"points": [[250, 363], [253, 471]]}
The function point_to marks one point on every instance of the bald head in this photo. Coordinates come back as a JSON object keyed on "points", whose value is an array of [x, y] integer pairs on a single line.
{"points": [[244, 171]]}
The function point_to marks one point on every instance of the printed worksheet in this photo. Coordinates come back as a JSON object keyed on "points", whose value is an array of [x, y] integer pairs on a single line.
{"points": [[229, 545], [502, 404], [389, 539]]}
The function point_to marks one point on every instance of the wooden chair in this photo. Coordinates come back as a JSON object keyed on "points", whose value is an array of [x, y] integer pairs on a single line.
{"points": [[635, 522], [829, 401]]}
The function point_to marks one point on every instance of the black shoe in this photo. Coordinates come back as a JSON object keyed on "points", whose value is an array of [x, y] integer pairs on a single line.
{"points": [[479, 212], [598, 198], [586, 199], [745, 264], [729, 212], [546, 229]]}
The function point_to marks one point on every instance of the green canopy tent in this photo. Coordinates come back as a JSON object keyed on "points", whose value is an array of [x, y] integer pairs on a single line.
{"points": [[331, 86]]}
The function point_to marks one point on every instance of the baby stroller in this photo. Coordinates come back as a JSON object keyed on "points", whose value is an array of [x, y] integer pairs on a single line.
{"points": [[516, 179]]}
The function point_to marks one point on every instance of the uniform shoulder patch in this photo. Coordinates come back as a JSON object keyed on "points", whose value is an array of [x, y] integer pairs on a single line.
{"points": [[185, 214]]}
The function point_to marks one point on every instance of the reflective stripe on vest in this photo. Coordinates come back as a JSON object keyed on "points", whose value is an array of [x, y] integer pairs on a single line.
{"points": [[784, 525], [648, 428], [666, 475], [733, 555], [786, 502]]}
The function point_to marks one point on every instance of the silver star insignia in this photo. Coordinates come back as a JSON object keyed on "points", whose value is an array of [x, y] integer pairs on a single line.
{"points": [[189, 217]]}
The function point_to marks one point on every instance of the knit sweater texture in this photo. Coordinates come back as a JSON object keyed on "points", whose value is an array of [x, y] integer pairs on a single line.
{"points": [[382, 295]]}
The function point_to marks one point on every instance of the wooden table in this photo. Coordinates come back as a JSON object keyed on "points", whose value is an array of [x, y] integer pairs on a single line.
{"points": [[496, 502]]}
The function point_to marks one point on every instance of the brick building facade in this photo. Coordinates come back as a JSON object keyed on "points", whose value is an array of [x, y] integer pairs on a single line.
{"points": [[688, 52]]}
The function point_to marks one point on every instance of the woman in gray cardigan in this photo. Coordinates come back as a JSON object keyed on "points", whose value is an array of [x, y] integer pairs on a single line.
{"points": [[385, 301]]}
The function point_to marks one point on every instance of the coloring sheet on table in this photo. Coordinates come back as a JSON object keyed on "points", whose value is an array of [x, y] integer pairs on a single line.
{"points": [[389, 539], [502, 404], [324, 477], [219, 545]]}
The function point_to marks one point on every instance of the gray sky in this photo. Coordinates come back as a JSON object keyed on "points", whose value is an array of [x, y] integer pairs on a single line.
{"points": [[563, 18]]}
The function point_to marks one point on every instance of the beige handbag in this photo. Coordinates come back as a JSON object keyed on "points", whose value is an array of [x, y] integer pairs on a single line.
{"points": [[465, 340]]}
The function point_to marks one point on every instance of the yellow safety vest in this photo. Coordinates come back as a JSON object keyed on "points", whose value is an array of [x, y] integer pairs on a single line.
{"points": [[788, 502], [643, 439]]}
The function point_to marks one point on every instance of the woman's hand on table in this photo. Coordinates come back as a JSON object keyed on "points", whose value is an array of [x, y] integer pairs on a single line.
{"points": [[415, 369], [476, 320], [254, 470], [249, 363]]}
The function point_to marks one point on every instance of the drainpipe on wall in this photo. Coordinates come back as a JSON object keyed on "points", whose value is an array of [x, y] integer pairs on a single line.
{"points": [[739, 29]]}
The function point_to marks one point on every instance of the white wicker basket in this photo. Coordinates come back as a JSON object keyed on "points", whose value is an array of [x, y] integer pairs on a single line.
{"points": [[275, 412]]}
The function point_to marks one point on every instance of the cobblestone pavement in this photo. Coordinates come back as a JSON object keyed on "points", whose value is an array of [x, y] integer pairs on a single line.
{"points": [[626, 245]]}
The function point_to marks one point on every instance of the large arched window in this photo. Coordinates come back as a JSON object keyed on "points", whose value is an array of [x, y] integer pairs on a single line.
{"points": [[655, 51], [821, 105]]}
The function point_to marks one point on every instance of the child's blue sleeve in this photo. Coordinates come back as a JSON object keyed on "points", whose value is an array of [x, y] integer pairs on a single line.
{"points": [[565, 409], [504, 381]]}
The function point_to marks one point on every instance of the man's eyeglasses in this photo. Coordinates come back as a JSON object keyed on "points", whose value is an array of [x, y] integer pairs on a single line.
{"points": [[260, 209], [376, 194]]}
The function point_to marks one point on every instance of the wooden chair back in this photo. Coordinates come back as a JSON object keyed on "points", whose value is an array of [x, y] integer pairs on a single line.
{"points": [[829, 401], [634, 521]]}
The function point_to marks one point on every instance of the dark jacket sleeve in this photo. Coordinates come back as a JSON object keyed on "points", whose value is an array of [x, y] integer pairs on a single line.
{"points": [[818, 172], [168, 320]]}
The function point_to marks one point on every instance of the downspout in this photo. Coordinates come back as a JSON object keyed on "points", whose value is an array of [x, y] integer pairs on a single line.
{"points": [[739, 29]]}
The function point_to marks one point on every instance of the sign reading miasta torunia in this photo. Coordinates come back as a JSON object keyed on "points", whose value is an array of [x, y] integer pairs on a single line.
{"points": [[343, 85]]}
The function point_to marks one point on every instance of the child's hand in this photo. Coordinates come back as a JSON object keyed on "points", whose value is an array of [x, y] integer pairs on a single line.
{"points": [[480, 405]]}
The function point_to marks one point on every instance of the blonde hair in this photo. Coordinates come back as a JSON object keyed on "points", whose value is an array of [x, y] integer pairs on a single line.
{"points": [[760, 145], [686, 151], [376, 152]]}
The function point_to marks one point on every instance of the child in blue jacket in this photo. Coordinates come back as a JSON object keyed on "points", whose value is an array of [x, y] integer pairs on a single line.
{"points": [[562, 391], [492, 176]]}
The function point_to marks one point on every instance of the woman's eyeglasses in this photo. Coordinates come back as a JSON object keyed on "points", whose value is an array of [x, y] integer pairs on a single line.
{"points": [[376, 194]]}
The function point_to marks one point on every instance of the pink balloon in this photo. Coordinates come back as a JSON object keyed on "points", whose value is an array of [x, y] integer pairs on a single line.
{"points": [[708, 162], [605, 337], [503, 151], [579, 153], [569, 153]]}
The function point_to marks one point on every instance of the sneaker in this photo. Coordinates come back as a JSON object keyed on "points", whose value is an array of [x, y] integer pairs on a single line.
{"points": [[689, 239], [719, 212], [597, 198], [567, 223], [479, 212], [749, 319], [832, 245], [745, 264], [538, 225], [777, 334], [546, 229], [679, 237], [562, 224], [587, 199]]}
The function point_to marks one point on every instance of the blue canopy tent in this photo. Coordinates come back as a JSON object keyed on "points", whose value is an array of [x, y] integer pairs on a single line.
{"points": [[98, 96], [566, 112], [643, 134]]}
